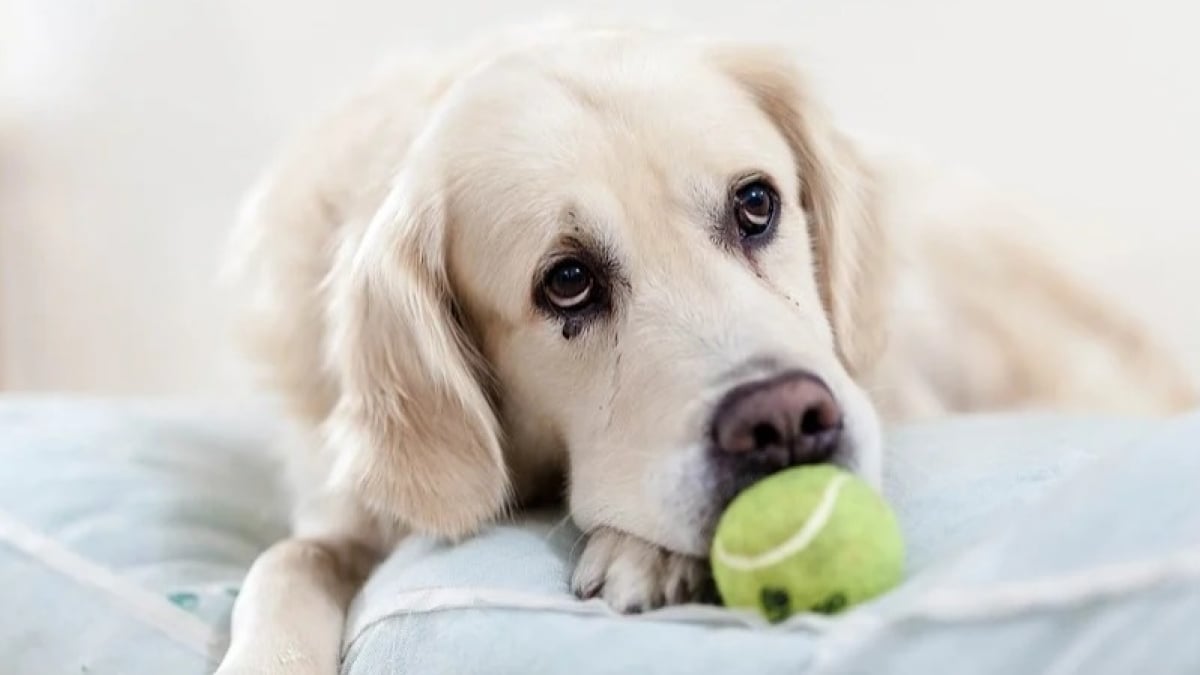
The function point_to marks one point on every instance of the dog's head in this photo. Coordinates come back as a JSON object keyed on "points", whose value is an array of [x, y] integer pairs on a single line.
{"points": [[650, 263]]}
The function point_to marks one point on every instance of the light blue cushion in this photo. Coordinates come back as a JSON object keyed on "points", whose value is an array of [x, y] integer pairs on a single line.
{"points": [[125, 529], [1035, 542]]}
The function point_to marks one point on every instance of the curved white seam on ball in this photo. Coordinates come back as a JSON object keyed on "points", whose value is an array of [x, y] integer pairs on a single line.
{"points": [[794, 544]]}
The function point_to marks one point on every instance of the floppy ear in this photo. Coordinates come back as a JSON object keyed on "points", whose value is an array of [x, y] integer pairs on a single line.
{"points": [[837, 192], [415, 436]]}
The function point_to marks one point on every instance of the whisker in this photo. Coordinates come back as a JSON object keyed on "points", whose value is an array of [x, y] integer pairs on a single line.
{"points": [[575, 544], [557, 526]]}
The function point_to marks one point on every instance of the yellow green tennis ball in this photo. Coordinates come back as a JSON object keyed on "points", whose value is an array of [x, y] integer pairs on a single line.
{"points": [[812, 538]]}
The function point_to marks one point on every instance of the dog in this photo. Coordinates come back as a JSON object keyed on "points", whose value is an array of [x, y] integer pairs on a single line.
{"points": [[634, 270]]}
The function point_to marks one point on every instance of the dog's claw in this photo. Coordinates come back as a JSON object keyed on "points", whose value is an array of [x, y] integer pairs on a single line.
{"points": [[589, 592]]}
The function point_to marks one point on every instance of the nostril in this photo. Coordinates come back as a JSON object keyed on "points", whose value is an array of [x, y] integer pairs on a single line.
{"points": [[813, 421], [765, 436]]}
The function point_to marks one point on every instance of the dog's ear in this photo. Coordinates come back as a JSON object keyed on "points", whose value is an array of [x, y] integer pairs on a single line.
{"points": [[838, 195], [415, 435]]}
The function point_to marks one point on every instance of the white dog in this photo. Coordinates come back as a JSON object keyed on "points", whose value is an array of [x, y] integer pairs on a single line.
{"points": [[635, 269]]}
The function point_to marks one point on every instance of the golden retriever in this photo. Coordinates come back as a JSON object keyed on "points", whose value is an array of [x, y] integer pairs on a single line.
{"points": [[635, 269]]}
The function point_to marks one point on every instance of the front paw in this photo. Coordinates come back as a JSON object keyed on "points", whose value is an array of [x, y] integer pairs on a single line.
{"points": [[632, 575]]}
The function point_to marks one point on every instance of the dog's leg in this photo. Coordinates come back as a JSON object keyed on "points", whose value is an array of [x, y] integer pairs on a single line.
{"points": [[291, 611]]}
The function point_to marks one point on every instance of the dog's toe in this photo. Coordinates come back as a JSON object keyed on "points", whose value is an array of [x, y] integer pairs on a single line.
{"points": [[633, 575], [590, 571], [687, 579]]}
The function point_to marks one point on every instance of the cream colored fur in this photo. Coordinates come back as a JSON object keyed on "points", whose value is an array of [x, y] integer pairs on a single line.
{"points": [[388, 262]]}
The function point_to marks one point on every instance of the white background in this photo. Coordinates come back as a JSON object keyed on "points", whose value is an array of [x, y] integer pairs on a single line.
{"points": [[130, 128]]}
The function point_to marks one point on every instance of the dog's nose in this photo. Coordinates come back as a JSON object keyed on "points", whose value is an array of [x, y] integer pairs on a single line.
{"points": [[779, 422]]}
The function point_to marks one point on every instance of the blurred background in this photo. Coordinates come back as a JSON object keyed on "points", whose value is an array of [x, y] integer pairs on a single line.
{"points": [[129, 130]]}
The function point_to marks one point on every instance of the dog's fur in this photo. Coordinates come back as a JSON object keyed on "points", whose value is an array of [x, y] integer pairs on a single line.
{"points": [[391, 264]]}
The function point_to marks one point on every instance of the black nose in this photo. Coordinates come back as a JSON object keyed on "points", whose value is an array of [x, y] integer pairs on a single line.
{"points": [[779, 422]]}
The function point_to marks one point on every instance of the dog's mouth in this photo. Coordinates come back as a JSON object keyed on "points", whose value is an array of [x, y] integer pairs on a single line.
{"points": [[729, 477]]}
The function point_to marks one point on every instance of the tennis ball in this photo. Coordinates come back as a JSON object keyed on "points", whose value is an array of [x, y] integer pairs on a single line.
{"points": [[812, 538]]}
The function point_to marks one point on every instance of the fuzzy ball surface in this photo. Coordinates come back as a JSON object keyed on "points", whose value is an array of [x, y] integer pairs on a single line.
{"points": [[808, 539]]}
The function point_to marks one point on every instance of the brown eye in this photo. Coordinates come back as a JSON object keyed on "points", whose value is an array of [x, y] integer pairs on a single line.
{"points": [[757, 206], [569, 285]]}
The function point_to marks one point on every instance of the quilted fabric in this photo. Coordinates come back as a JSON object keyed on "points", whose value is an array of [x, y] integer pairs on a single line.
{"points": [[1037, 543], [125, 529]]}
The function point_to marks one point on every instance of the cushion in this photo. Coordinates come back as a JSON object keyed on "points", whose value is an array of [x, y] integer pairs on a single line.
{"points": [[1034, 541], [125, 529]]}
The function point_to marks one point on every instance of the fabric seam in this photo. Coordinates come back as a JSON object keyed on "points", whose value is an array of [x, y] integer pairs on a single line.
{"points": [[148, 608]]}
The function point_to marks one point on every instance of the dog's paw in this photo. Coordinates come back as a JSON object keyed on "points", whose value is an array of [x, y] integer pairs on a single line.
{"points": [[632, 575]]}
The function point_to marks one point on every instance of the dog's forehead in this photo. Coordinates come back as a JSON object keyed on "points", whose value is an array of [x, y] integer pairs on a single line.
{"points": [[575, 110], [605, 129]]}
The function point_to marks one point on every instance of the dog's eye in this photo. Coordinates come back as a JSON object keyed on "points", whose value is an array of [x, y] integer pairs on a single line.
{"points": [[569, 285], [757, 205]]}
